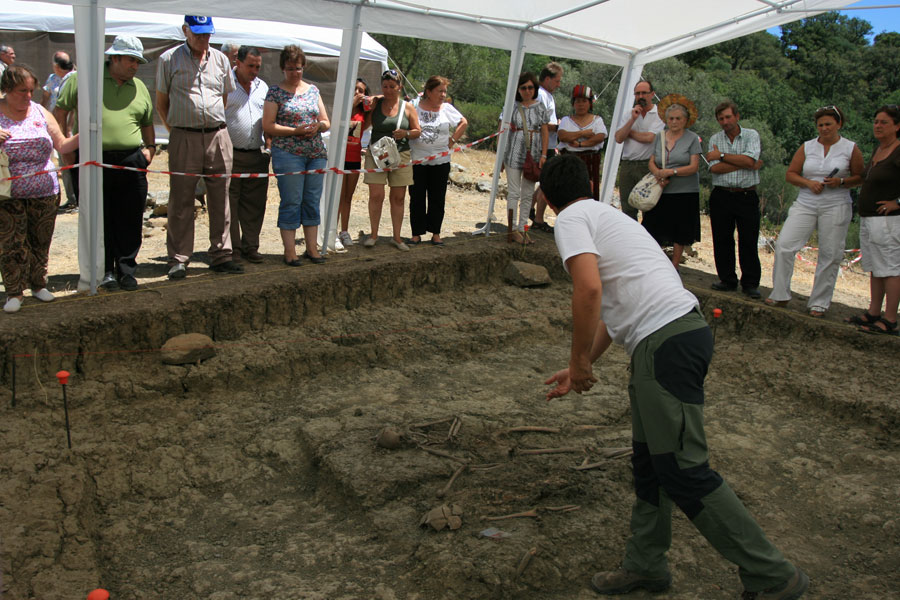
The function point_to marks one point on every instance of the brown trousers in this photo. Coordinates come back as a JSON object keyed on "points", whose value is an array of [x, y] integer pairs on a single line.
{"points": [[247, 198], [202, 153], [26, 229]]}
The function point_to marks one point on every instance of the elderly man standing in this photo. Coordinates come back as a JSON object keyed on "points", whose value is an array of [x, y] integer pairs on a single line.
{"points": [[637, 132], [243, 113], [7, 57], [192, 86], [550, 80], [129, 141], [734, 163], [62, 68]]}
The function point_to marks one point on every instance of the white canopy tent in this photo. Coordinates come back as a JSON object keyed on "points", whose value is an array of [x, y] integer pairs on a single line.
{"points": [[621, 32]]}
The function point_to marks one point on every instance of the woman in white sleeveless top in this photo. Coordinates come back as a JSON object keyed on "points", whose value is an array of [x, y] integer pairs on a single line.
{"points": [[823, 168]]}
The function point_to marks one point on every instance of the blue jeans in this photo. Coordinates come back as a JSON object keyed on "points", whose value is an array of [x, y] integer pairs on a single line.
{"points": [[300, 194]]}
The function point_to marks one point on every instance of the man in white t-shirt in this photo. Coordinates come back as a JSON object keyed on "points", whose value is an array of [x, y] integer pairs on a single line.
{"points": [[550, 80], [625, 290], [637, 131]]}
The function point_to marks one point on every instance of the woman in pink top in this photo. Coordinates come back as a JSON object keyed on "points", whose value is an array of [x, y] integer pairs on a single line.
{"points": [[28, 136]]}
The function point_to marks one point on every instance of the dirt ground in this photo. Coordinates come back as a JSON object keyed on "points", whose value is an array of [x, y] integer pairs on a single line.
{"points": [[256, 474]]}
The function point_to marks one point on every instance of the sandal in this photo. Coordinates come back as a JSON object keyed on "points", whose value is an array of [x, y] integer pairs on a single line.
{"points": [[779, 303], [817, 312], [864, 319], [882, 326]]}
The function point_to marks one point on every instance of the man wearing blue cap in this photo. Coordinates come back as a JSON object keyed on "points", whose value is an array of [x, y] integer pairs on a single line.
{"points": [[192, 86], [128, 140]]}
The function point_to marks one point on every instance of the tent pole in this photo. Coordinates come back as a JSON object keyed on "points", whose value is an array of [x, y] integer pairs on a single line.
{"points": [[89, 40], [348, 66], [631, 74], [516, 58]]}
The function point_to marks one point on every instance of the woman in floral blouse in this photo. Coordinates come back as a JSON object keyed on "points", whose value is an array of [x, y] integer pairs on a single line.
{"points": [[294, 115]]}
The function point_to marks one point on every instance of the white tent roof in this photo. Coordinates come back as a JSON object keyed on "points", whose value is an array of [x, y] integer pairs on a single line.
{"points": [[609, 31], [324, 41]]}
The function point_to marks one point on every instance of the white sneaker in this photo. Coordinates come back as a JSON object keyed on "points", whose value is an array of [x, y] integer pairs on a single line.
{"points": [[44, 295], [12, 305], [345, 239], [339, 247]]}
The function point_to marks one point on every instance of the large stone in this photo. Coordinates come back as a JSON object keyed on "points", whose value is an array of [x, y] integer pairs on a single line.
{"points": [[524, 274], [187, 348]]}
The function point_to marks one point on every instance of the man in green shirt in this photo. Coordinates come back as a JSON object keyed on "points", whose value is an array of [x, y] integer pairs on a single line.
{"points": [[128, 140]]}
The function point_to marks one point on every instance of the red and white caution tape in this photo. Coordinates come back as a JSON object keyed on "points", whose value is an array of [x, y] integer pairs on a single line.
{"points": [[94, 163]]}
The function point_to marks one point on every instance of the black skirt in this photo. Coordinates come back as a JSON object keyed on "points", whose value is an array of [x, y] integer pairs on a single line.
{"points": [[675, 219]]}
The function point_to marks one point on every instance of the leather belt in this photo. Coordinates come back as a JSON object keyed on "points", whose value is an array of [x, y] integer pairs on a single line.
{"points": [[202, 129], [246, 149], [745, 190]]}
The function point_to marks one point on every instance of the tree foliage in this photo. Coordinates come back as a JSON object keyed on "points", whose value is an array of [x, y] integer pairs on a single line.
{"points": [[778, 83]]}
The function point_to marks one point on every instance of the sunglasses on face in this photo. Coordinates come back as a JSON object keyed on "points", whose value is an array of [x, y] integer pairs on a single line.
{"points": [[526, 87]]}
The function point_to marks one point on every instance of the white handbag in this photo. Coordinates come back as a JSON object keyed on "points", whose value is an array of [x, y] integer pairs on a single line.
{"points": [[646, 193], [385, 152], [5, 183]]}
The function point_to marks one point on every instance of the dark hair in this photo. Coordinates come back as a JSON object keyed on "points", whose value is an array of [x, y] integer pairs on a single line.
{"points": [[892, 111], [433, 82], [245, 51], [16, 74], [552, 69], [366, 85], [829, 111], [65, 64], [525, 78], [647, 81], [723, 106], [293, 54], [564, 179]]}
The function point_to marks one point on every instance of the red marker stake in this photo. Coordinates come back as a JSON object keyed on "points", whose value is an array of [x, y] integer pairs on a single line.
{"points": [[63, 377], [98, 594], [717, 314]]}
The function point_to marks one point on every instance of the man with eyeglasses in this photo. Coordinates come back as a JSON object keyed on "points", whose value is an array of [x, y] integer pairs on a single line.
{"points": [[193, 82], [637, 131]]}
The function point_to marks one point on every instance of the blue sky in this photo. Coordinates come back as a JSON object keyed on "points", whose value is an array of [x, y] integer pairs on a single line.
{"points": [[882, 19]]}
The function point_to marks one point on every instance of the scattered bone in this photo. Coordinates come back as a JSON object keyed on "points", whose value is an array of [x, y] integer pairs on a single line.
{"points": [[454, 428], [528, 513], [453, 477], [564, 508], [437, 452], [551, 450], [532, 428], [432, 423], [523, 563], [485, 466], [389, 438], [443, 516]]}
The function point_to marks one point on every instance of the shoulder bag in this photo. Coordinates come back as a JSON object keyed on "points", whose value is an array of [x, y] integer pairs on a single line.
{"points": [[5, 183], [646, 193], [532, 168], [385, 152]]}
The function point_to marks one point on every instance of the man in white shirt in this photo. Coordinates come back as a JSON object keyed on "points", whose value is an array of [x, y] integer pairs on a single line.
{"points": [[550, 80], [7, 57], [243, 114], [625, 290], [637, 131]]}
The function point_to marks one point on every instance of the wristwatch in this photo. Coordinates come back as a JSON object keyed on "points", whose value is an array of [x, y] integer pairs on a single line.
{"points": [[675, 172]]}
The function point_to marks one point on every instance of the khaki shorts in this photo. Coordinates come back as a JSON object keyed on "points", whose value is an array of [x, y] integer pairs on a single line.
{"points": [[399, 178]]}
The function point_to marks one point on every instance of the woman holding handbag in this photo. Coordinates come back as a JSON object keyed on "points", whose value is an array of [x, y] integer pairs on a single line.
{"points": [[390, 117], [675, 219], [526, 149]]}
